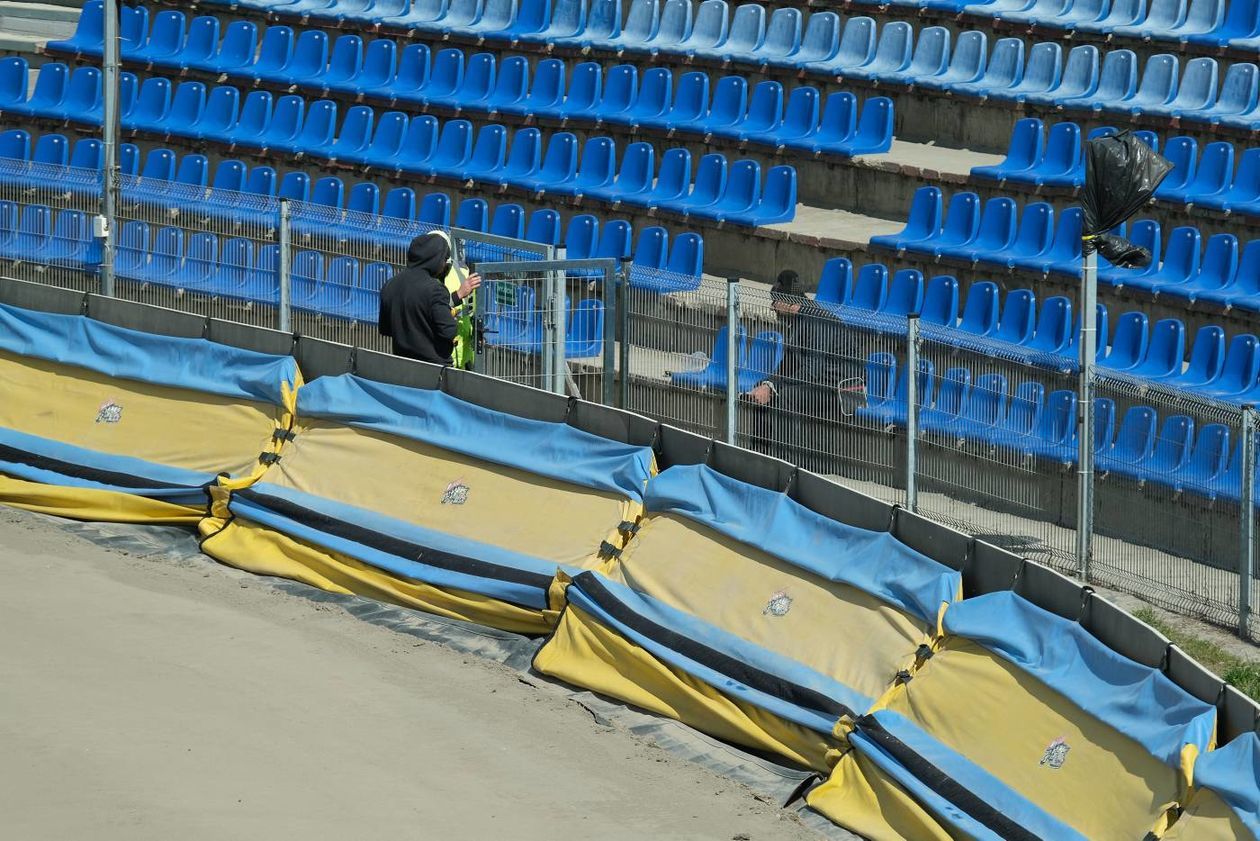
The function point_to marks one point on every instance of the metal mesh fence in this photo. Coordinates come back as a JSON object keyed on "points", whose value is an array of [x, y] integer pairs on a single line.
{"points": [[1167, 491], [825, 387], [995, 443]]}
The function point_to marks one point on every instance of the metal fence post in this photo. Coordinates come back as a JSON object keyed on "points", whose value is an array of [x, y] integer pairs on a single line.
{"points": [[285, 263], [732, 356], [1247, 515], [623, 318], [559, 365], [612, 314], [912, 412], [109, 143], [1085, 413]]}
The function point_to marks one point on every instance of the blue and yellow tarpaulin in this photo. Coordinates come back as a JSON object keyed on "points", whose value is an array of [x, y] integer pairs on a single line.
{"points": [[103, 423], [749, 616], [1013, 728], [419, 498], [1225, 802]]}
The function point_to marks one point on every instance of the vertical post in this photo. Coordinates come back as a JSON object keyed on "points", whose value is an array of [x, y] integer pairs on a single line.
{"points": [[912, 412], [1247, 517], [559, 311], [284, 266], [623, 319], [1085, 413], [612, 312], [732, 356], [549, 331], [106, 228]]}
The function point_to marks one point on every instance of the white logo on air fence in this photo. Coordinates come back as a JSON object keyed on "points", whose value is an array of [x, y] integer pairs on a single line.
{"points": [[780, 603], [1056, 753], [109, 412], [456, 493]]}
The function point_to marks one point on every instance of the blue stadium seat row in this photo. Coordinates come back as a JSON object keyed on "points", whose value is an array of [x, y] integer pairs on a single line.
{"points": [[1219, 366], [757, 357], [514, 320], [241, 193], [998, 233], [721, 191], [1207, 23], [985, 410], [799, 118], [830, 45], [1209, 180]]}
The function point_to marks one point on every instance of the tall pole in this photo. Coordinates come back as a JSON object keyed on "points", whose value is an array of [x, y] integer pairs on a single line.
{"points": [[109, 141], [732, 356], [1085, 412], [1247, 518], [283, 269], [912, 412]]}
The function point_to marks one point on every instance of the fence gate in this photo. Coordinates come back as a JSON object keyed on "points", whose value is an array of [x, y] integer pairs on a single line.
{"points": [[550, 324]]}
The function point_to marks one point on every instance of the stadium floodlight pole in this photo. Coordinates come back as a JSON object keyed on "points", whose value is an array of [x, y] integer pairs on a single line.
{"points": [[109, 142], [732, 356], [1247, 519], [1085, 411]]}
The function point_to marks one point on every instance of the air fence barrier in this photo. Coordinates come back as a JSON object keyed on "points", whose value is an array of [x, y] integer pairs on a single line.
{"points": [[993, 452], [938, 685]]}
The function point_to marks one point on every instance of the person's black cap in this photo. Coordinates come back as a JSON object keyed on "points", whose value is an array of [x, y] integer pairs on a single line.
{"points": [[787, 286]]}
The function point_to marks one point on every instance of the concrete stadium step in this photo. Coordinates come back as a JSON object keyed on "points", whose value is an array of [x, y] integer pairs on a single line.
{"points": [[26, 27]]}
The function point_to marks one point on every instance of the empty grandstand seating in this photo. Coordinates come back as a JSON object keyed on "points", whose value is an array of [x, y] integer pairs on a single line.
{"points": [[422, 147], [990, 410], [1202, 179], [797, 119]]}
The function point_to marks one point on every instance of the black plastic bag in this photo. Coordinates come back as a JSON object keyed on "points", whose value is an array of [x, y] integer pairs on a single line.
{"points": [[1121, 174], [1121, 253]]}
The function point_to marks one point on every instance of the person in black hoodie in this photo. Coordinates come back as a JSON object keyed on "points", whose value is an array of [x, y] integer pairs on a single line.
{"points": [[416, 305]]}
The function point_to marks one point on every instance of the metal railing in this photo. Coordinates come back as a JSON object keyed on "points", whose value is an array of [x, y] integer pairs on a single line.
{"points": [[982, 438]]}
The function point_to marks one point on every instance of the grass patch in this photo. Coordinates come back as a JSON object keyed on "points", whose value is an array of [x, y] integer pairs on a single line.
{"points": [[1241, 673]]}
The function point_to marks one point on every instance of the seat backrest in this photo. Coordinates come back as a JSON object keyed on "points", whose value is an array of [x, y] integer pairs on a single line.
{"points": [[870, 289], [905, 293], [1128, 345], [652, 248], [1017, 320], [473, 215], [980, 313], [435, 209], [581, 236], [940, 301], [835, 282], [686, 257]]}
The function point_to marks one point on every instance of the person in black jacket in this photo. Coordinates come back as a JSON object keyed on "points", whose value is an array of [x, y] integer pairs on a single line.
{"points": [[416, 304], [806, 394]]}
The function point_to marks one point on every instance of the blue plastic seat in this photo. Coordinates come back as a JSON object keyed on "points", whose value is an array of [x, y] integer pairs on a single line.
{"points": [[412, 74], [996, 234], [776, 204], [546, 92], [1180, 263], [819, 43], [585, 335], [1101, 335], [835, 282], [782, 38], [1128, 344], [1053, 437], [980, 313], [1208, 458], [1079, 79], [14, 81], [1064, 254], [635, 175], [584, 95], [1133, 443], [856, 47], [710, 29], [686, 258], [71, 240], [133, 250], [1216, 270], [1023, 153], [1170, 452], [765, 113], [581, 237], [51, 85], [385, 144], [543, 227], [1241, 369], [966, 64], [905, 293], [1203, 19], [709, 184], [1042, 73], [419, 144], [940, 301], [962, 225], [524, 158], [653, 100], [1053, 326], [450, 155], [473, 215], [1238, 97], [930, 59], [1166, 352], [1018, 318], [870, 288], [985, 408], [892, 54], [651, 250], [952, 395], [15, 145], [713, 375], [434, 209], [1062, 165], [1207, 359], [672, 30], [690, 103], [1117, 81], [1245, 286], [800, 118], [1021, 417], [922, 225], [673, 181], [746, 35], [559, 165], [763, 357], [1004, 70], [1212, 176], [489, 153]]}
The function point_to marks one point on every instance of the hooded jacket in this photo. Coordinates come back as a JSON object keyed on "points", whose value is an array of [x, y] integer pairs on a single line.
{"points": [[416, 305]]}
